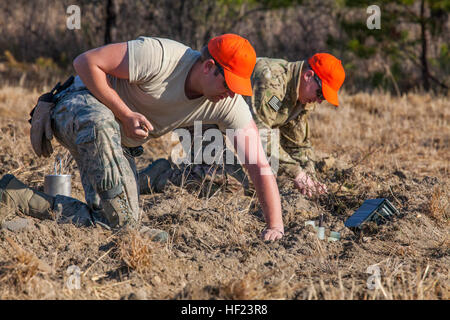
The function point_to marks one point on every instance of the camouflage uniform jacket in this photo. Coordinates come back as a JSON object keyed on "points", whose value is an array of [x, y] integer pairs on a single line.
{"points": [[275, 104]]}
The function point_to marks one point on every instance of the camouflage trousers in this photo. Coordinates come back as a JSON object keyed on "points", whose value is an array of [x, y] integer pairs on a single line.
{"points": [[230, 176], [199, 177], [210, 178], [204, 179], [91, 133]]}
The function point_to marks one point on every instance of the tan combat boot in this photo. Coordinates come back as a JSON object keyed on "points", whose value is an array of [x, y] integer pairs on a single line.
{"points": [[15, 195], [116, 213], [18, 196], [115, 209]]}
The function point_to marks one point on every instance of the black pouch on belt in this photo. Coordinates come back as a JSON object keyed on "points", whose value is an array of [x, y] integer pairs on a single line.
{"points": [[134, 151]]}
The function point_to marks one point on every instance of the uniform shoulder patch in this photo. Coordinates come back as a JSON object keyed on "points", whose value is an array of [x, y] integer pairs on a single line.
{"points": [[275, 103]]}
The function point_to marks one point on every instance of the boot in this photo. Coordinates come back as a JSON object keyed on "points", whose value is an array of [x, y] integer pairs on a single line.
{"points": [[16, 195], [155, 176], [116, 211]]}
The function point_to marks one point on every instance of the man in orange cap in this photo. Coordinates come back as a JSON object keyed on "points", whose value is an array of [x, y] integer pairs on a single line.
{"points": [[284, 93], [127, 93]]}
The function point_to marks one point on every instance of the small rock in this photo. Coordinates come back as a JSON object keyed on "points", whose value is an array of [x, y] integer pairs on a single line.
{"points": [[132, 296], [155, 235], [326, 164], [156, 280], [141, 294], [310, 223], [16, 224], [366, 239], [399, 174]]}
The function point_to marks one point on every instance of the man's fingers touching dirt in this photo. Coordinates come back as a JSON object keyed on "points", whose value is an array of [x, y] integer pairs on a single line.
{"points": [[271, 234]]}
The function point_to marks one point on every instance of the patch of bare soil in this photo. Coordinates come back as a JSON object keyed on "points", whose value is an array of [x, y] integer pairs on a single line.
{"points": [[401, 152]]}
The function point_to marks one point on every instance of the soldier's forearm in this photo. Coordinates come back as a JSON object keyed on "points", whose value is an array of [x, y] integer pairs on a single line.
{"points": [[268, 196], [293, 170], [249, 148]]}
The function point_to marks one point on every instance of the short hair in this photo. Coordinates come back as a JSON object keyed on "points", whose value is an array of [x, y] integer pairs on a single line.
{"points": [[307, 66], [205, 55]]}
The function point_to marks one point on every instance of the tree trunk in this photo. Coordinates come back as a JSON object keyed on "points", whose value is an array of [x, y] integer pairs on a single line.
{"points": [[423, 58], [111, 26]]}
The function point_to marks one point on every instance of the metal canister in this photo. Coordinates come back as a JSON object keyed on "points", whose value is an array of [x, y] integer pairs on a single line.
{"points": [[58, 183]]}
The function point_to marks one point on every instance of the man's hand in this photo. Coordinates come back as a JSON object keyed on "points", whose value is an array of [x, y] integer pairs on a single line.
{"points": [[308, 186], [136, 125], [272, 234], [41, 132]]}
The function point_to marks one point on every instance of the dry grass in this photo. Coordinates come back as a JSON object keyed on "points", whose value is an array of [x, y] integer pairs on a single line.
{"points": [[20, 270], [374, 146], [136, 251], [21, 274], [254, 286], [439, 206], [408, 133]]}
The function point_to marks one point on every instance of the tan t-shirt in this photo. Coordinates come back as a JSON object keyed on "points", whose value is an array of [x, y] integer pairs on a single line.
{"points": [[158, 69]]}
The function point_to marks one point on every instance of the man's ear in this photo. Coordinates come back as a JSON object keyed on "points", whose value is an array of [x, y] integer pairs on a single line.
{"points": [[208, 65], [308, 75]]}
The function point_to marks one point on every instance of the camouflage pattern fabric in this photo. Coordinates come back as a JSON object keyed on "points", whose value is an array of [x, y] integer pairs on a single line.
{"points": [[89, 130], [203, 178], [211, 177], [275, 105]]}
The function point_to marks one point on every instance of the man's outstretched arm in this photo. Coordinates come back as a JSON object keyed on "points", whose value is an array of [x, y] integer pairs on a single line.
{"points": [[251, 154]]}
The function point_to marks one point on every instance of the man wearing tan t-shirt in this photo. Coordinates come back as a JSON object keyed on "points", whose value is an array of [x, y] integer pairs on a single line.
{"points": [[127, 93]]}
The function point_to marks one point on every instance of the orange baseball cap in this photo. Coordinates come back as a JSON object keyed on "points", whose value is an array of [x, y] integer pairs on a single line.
{"points": [[237, 58], [330, 70]]}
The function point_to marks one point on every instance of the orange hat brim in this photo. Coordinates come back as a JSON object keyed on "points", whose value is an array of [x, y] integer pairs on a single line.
{"points": [[330, 94], [239, 85]]}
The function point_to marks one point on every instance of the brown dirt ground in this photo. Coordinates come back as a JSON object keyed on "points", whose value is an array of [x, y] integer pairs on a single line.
{"points": [[392, 147]]}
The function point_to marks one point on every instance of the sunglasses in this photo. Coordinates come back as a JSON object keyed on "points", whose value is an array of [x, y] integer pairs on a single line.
{"points": [[220, 68], [319, 92]]}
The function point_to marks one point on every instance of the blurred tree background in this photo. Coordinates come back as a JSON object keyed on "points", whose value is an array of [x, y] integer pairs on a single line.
{"points": [[409, 52]]}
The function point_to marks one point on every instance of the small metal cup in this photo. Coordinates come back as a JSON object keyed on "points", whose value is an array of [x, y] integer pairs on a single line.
{"points": [[58, 183]]}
